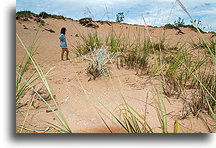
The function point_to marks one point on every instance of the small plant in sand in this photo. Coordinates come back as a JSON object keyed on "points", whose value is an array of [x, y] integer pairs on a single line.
{"points": [[99, 58], [179, 23]]}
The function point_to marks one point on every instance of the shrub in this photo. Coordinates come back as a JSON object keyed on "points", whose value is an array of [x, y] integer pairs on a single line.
{"points": [[58, 17], [40, 21], [24, 14], [44, 15], [88, 22], [170, 26], [50, 30], [85, 21]]}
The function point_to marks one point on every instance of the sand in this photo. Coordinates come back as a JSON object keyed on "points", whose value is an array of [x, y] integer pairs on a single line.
{"points": [[80, 99]]}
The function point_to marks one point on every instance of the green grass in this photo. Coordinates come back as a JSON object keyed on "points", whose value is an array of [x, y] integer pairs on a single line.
{"points": [[87, 44], [213, 56], [161, 110], [178, 75], [22, 67], [114, 42], [130, 120]]}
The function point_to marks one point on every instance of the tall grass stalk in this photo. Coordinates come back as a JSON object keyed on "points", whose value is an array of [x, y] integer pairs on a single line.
{"points": [[21, 87], [161, 110], [212, 56], [197, 28], [60, 117]]}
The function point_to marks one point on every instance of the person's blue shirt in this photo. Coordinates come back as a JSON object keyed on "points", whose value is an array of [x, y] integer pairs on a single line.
{"points": [[63, 44]]}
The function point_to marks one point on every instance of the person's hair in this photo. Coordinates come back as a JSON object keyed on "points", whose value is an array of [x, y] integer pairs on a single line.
{"points": [[63, 29]]}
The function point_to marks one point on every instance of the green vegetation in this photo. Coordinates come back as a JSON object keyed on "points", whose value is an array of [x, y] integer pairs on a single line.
{"points": [[50, 30], [133, 122], [89, 42], [24, 14], [21, 85], [44, 15], [29, 15], [120, 17], [179, 23]]}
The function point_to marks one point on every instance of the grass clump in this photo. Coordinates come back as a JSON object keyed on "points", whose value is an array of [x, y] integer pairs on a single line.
{"points": [[114, 42], [137, 56], [98, 60], [207, 94], [179, 74], [89, 42], [160, 45], [130, 120], [40, 21]]}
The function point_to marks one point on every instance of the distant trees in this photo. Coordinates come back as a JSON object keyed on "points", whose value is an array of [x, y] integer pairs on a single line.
{"points": [[120, 17]]}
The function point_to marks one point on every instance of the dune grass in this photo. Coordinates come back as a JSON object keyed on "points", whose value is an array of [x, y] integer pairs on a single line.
{"points": [[178, 69], [210, 48]]}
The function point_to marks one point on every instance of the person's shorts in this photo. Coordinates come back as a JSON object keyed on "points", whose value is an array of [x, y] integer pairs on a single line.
{"points": [[63, 45]]}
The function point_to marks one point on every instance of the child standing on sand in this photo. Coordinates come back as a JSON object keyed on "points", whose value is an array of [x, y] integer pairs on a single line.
{"points": [[63, 43]]}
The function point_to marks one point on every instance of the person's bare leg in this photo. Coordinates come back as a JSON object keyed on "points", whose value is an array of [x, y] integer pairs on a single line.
{"points": [[67, 53], [62, 54]]}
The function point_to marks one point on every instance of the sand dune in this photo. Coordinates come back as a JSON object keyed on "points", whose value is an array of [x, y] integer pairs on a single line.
{"points": [[80, 99]]}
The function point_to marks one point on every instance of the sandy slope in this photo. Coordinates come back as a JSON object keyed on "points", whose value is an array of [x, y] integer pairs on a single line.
{"points": [[79, 98]]}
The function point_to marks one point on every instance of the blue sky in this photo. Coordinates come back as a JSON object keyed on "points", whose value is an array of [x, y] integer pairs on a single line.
{"points": [[154, 12]]}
